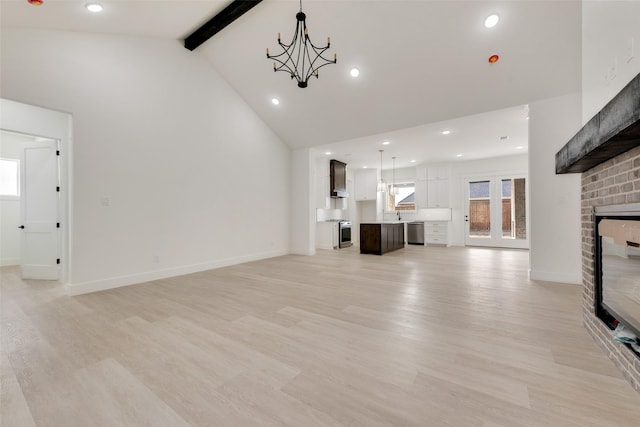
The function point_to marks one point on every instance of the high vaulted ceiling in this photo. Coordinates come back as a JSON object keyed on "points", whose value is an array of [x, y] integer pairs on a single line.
{"points": [[423, 63]]}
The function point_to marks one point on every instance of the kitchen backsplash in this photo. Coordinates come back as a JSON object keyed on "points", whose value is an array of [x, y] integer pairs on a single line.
{"points": [[329, 214], [431, 214]]}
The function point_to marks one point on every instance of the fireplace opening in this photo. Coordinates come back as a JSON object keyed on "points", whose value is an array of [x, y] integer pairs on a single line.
{"points": [[617, 263]]}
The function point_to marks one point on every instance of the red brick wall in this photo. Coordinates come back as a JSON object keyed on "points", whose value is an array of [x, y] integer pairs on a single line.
{"points": [[615, 182]]}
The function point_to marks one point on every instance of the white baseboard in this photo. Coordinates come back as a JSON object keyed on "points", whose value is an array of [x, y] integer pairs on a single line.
{"points": [[9, 261], [116, 282], [559, 277], [302, 251]]}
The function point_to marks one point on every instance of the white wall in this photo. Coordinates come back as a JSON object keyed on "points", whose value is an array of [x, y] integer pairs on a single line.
{"points": [[172, 171], [9, 208], [555, 199], [607, 30], [303, 179], [460, 171]]}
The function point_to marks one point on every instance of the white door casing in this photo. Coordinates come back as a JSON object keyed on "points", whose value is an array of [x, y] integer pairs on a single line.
{"points": [[39, 189]]}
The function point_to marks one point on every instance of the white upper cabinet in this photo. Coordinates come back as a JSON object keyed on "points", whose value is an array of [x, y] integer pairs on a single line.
{"points": [[421, 187], [438, 193], [366, 181], [438, 186], [438, 172]]}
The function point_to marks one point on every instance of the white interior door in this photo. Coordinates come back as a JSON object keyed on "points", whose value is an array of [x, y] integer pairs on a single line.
{"points": [[39, 195], [497, 212]]}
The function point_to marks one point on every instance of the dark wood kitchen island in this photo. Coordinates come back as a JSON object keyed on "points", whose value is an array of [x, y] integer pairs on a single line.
{"points": [[381, 237]]}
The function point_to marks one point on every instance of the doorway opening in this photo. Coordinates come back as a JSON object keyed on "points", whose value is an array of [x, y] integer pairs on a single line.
{"points": [[42, 142], [30, 205]]}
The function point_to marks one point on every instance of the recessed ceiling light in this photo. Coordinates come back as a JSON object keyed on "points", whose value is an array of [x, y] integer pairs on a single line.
{"points": [[445, 132], [275, 101], [386, 143], [94, 7], [328, 153], [364, 167], [519, 147], [413, 161], [458, 155], [492, 20], [526, 118], [354, 72]]}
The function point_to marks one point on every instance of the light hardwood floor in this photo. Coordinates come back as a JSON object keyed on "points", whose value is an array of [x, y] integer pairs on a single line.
{"points": [[417, 337]]}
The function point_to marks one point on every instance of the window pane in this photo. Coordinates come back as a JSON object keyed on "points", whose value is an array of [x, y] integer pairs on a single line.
{"points": [[479, 190], [9, 177], [514, 213], [506, 188], [480, 209], [405, 197]]}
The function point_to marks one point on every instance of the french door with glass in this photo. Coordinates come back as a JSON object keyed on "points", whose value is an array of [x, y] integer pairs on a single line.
{"points": [[496, 212]]}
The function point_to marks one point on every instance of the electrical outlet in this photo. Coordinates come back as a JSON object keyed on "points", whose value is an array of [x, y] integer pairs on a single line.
{"points": [[156, 259]]}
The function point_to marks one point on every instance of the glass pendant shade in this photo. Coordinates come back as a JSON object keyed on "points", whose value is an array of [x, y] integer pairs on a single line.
{"points": [[394, 190], [382, 186]]}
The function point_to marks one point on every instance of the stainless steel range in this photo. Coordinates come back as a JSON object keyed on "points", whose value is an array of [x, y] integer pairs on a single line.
{"points": [[344, 233]]}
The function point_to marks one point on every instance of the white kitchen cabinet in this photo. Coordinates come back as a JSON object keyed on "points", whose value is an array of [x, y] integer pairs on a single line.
{"points": [[436, 233], [438, 193], [437, 172], [421, 193], [438, 186], [421, 173], [366, 181], [327, 235]]}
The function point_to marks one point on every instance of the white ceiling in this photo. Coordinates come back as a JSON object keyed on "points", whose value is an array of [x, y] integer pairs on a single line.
{"points": [[423, 67]]}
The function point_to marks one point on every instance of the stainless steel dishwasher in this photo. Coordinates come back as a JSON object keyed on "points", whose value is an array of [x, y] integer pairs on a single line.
{"points": [[415, 233]]}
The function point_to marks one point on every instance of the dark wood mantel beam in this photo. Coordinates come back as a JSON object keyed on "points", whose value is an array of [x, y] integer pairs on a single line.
{"points": [[614, 130], [235, 10]]}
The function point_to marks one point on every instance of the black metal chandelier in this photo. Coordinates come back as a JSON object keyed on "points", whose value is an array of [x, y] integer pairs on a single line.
{"points": [[301, 58]]}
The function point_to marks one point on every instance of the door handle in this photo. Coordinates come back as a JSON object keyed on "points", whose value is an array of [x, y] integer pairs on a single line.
{"points": [[21, 227]]}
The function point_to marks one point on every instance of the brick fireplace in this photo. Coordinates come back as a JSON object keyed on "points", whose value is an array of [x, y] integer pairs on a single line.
{"points": [[607, 153], [614, 182]]}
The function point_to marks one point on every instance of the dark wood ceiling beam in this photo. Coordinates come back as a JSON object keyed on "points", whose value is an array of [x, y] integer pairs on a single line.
{"points": [[235, 10]]}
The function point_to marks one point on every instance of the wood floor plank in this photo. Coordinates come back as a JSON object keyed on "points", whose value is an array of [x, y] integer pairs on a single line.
{"points": [[421, 336], [15, 411]]}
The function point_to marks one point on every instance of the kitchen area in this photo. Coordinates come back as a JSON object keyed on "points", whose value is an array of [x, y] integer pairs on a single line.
{"points": [[412, 208]]}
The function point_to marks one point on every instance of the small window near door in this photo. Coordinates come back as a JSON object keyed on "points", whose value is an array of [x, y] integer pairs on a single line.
{"points": [[9, 178]]}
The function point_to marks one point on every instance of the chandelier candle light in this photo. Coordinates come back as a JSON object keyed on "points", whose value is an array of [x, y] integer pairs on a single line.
{"points": [[301, 58]]}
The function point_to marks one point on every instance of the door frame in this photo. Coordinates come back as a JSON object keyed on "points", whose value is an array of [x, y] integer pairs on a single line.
{"points": [[495, 180], [37, 121]]}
